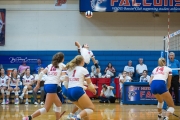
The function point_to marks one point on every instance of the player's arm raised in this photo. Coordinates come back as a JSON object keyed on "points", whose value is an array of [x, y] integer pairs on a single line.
{"points": [[78, 46]]}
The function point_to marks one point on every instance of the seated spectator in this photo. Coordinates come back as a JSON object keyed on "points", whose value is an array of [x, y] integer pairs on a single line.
{"points": [[145, 77], [22, 68], [94, 72], [129, 68], [110, 71], [107, 94], [28, 81], [38, 66], [123, 78], [140, 68], [41, 88], [13, 85]]}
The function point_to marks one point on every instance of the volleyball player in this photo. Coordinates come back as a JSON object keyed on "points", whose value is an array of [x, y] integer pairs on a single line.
{"points": [[158, 87], [28, 81], [4, 83], [77, 75], [13, 85], [50, 86]]}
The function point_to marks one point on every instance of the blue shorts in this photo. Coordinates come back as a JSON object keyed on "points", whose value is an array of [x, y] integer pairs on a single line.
{"points": [[50, 88], [64, 91], [13, 86], [158, 87], [75, 93]]}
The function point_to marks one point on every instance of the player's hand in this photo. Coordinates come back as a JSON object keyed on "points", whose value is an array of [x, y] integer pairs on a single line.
{"points": [[94, 92], [95, 86], [36, 88]]}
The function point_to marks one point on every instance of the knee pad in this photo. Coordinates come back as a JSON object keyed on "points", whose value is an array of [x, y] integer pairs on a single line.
{"points": [[7, 92], [57, 109], [25, 87], [89, 111], [16, 93], [171, 110], [2, 91], [26, 93], [160, 105], [43, 110]]}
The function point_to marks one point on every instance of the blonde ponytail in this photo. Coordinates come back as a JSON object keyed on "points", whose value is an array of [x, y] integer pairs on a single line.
{"points": [[74, 62], [161, 62]]}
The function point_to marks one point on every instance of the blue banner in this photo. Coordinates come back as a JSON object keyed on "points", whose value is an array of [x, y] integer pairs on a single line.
{"points": [[130, 5]]}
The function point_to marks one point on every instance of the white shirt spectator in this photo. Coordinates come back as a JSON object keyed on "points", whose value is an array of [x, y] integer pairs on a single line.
{"points": [[129, 68], [144, 79], [140, 68], [127, 79], [108, 92]]}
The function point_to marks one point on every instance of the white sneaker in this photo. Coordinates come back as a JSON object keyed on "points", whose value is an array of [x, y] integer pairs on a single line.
{"points": [[36, 103], [26, 103], [21, 97], [3, 103], [42, 103], [160, 116], [165, 118]]}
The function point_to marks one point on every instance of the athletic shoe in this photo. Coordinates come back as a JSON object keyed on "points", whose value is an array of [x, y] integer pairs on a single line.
{"points": [[26, 103], [7, 102], [3, 103], [36, 103], [160, 116], [21, 97], [71, 116], [27, 118], [75, 118], [165, 118], [42, 103], [16, 102]]}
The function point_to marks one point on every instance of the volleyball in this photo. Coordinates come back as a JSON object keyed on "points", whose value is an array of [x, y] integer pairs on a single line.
{"points": [[88, 14]]}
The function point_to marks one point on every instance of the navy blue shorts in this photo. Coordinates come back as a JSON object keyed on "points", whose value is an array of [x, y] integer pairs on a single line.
{"points": [[64, 91], [13, 86], [75, 93], [158, 87], [50, 88]]}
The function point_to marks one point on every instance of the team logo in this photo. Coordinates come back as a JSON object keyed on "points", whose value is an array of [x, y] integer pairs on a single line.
{"points": [[131, 93], [98, 5]]}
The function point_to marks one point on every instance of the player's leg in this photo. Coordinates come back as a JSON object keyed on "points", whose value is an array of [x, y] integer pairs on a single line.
{"points": [[8, 91], [25, 89], [3, 95], [167, 97], [160, 105], [16, 92], [26, 93], [57, 107]]}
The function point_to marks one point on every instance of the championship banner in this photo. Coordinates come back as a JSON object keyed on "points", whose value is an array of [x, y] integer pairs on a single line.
{"points": [[130, 5], [2, 26], [139, 94]]}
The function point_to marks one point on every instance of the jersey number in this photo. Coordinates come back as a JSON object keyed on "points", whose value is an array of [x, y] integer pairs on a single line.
{"points": [[160, 69], [74, 72], [53, 68]]}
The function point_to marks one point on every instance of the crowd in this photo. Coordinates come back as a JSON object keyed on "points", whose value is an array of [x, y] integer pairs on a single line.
{"points": [[23, 77]]}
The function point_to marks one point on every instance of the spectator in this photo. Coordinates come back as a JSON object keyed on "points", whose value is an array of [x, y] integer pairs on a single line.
{"points": [[94, 72], [110, 71], [28, 81], [3, 85], [140, 68], [129, 68], [107, 94], [123, 78], [174, 63], [38, 66], [23, 67], [145, 77], [41, 87]]}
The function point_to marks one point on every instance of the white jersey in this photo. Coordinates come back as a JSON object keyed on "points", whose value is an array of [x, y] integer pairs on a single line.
{"points": [[3, 80], [87, 54], [53, 75], [28, 79], [161, 73], [13, 81], [77, 76]]}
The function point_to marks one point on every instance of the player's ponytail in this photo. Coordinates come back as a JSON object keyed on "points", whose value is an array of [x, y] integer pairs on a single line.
{"points": [[74, 62], [161, 62], [57, 58]]}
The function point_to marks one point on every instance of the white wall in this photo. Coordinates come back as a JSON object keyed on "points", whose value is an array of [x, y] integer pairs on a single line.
{"points": [[38, 25]]}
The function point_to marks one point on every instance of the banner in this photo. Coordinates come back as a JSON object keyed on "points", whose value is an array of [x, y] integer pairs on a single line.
{"points": [[140, 94], [2, 26], [130, 5]]}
